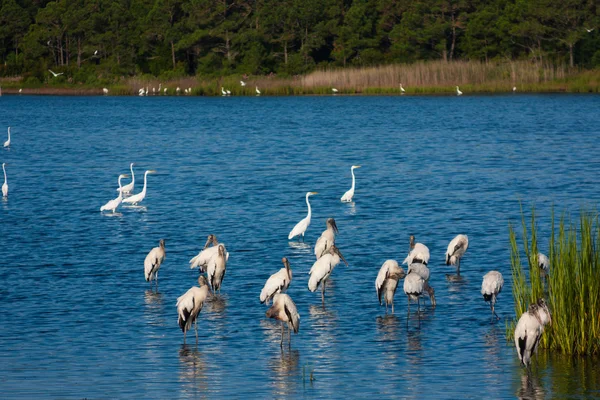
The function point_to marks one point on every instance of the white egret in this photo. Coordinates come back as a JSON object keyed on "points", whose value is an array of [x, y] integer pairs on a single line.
{"points": [[201, 259], [129, 187], [387, 282], [189, 90], [284, 309], [402, 89], [137, 198], [105, 90], [153, 91], [456, 249], [228, 92], [458, 92], [115, 203], [7, 143], [301, 226], [257, 91], [419, 253], [543, 263], [277, 283], [529, 330], [185, 91], [327, 238], [153, 261], [55, 74], [490, 288], [242, 83], [223, 92], [334, 90], [216, 268], [20, 90], [5, 184], [189, 306], [165, 91], [347, 197], [322, 269], [141, 92]]}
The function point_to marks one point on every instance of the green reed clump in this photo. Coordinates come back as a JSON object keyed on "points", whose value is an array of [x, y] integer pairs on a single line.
{"points": [[572, 287]]}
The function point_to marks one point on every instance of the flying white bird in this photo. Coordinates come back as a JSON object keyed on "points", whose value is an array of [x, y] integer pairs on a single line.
{"points": [[418, 253], [55, 74], [223, 92], [203, 257], [301, 226], [458, 92], [242, 83], [7, 143], [189, 306], [402, 89], [514, 88], [387, 282], [589, 30], [215, 271], [5, 184], [529, 330], [347, 197], [284, 310], [178, 90], [129, 187], [138, 198], [334, 90], [112, 205], [327, 238], [277, 283], [456, 249], [491, 287], [153, 261], [257, 91], [322, 269]]}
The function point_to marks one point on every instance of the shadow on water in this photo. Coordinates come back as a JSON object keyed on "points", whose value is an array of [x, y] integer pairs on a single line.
{"points": [[192, 370]]}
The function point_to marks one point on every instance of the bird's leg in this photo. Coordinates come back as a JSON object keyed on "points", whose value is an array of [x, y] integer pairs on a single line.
{"points": [[386, 307], [493, 306], [392, 306], [323, 293], [196, 326], [289, 338], [458, 267], [418, 305], [281, 342], [184, 333]]}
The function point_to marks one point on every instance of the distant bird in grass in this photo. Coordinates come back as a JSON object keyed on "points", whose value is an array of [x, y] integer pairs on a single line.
{"points": [[242, 83], [129, 187], [334, 90], [204, 256], [456, 250], [529, 330], [96, 53], [387, 282], [301, 226], [112, 205], [327, 238], [347, 197], [257, 91], [402, 89], [418, 253], [414, 285], [490, 288], [277, 283], [458, 92], [514, 89], [543, 263], [138, 198], [55, 74], [105, 90], [7, 143], [5, 184], [589, 30], [322, 269], [178, 90], [215, 270], [141, 92], [153, 261], [189, 306], [165, 91], [284, 310]]}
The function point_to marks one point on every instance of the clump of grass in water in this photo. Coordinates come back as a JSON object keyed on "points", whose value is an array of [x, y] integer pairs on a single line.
{"points": [[572, 288]]}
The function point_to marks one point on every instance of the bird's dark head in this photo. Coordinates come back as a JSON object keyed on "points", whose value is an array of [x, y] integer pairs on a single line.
{"points": [[331, 224], [161, 243], [285, 262], [412, 241]]}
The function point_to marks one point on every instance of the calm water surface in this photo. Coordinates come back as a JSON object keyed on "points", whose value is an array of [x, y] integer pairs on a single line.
{"points": [[78, 320]]}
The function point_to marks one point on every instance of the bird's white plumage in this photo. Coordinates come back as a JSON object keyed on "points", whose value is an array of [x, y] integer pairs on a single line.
{"points": [[456, 249], [242, 83], [5, 184], [543, 262], [277, 283], [529, 330], [153, 261], [418, 252], [7, 143], [387, 281], [201, 259], [347, 197], [492, 283], [402, 89], [419, 269], [105, 90], [334, 90], [138, 198], [189, 306], [217, 265], [284, 309], [129, 187], [321, 270], [326, 240], [413, 285], [113, 204], [55, 74], [257, 91], [458, 91], [301, 226]]}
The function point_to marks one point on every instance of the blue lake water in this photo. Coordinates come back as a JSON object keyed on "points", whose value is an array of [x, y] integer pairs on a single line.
{"points": [[78, 319]]}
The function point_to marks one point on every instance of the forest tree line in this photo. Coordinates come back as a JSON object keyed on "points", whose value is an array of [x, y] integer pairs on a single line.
{"points": [[174, 38]]}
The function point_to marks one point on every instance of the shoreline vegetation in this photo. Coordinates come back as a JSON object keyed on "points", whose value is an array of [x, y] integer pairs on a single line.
{"points": [[420, 78]]}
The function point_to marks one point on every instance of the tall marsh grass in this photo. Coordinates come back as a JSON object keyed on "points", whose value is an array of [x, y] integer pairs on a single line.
{"points": [[572, 287]]}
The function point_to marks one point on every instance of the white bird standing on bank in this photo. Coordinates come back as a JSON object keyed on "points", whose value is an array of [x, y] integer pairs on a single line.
{"points": [[223, 92], [178, 90], [456, 249], [152, 263], [129, 187], [216, 268], [543, 263], [5, 184], [242, 83], [322, 269], [402, 89], [7, 143], [327, 238], [387, 282], [257, 91], [490, 288], [334, 90], [458, 92], [189, 306], [55, 74], [113, 204], [347, 197], [284, 310], [201, 259], [529, 330], [418, 253], [277, 283], [514, 88], [105, 90], [301, 226], [138, 198]]}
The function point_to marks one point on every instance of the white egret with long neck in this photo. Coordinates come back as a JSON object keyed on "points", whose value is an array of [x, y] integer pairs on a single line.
{"points": [[115, 203], [137, 198], [347, 197], [5, 184], [301, 226], [129, 187], [7, 143]]}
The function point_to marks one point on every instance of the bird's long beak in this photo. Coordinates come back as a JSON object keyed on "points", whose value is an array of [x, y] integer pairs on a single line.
{"points": [[207, 242], [339, 253], [152, 171], [335, 228], [313, 193], [356, 166]]}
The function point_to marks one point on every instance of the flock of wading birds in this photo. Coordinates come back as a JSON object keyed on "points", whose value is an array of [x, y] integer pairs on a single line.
{"points": [[212, 260]]}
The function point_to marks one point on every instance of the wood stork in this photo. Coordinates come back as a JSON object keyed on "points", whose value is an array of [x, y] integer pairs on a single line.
{"points": [[215, 270], [458, 92], [284, 309], [418, 253], [277, 283], [402, 89], [257, 91], [327, 238], [422, 270], [129, 187], [490, 288], [112, 205], [347, 197], [189, 306], [529, 330], [7, 143], [153, 261], [201, 259], [301, 226], [5, 184], [456, 249], [322, 269], [543, 263], [138, 198], [387, 282]]}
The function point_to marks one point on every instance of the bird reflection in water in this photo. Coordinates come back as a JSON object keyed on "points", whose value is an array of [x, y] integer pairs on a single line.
{"points": [[388, 327], [530, 389], [300, 247], [455, 279], [285, 368], [217, 304], [154, 307], [192, 371]]}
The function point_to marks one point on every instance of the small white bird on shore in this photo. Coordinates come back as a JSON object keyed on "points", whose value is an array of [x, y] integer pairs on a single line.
{"points": [[242, 83], [153, 261], [105, 90], [402, 89], [257, 91], [334, 90], [458, 91]]}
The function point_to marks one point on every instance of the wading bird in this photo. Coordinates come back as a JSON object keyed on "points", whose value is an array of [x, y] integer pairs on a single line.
{"points": [[422, 270], [347, 197], [5, 184], [242, 83], [189, 306], [529, 330], [105, 90], [277, 283], [178, 90], [257, 91], [491, 287], [153, 261], [215, 270], [284, 310], [55, 74], [327, 238], [402, 89], [414, 286], [387, 282], [129, 187], [456, 249], [141, 92], [7, 143], [458, 92], [201, 259], [113, 204], [334, 90], [543, 263], [138, 198], [418, 253], [322, 269], [301, 226]]}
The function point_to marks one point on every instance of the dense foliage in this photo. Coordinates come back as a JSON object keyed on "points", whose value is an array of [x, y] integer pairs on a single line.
{"points": [[96, 39]]}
